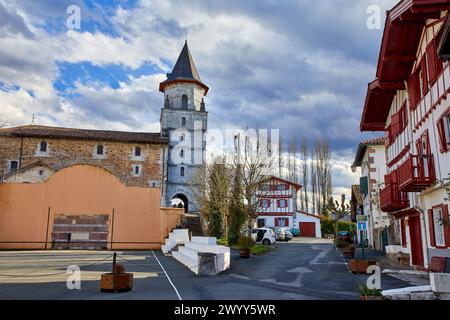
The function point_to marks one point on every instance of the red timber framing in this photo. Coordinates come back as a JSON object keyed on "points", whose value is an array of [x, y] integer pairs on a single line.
{"points": [[391, 198], [401, 38], [275, 195]]}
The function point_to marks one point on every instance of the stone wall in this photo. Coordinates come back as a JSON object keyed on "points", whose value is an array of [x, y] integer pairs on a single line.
{"points": [[119, 157]]}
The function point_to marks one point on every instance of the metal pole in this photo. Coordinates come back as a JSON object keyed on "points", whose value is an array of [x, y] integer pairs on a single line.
{"points": [[48, 223], [112, 229], [114, 261]]}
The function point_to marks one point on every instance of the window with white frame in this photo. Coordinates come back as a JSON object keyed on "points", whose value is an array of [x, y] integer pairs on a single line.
{"points": [[13, 165], [283, 222], [282, 203], [265, 203], [137, 170], [100, 150], [43, 146], [438, 227]]}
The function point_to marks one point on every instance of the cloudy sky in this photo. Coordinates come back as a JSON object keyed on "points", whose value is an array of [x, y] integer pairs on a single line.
{"points": [[299, 66]]}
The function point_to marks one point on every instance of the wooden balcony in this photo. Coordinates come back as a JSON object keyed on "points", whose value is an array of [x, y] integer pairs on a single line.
{"points": [[392, 199], [417, 173]]}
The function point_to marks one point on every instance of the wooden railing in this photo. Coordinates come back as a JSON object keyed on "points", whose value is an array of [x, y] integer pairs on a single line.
{"points": [[417, 173], [392, 199]]}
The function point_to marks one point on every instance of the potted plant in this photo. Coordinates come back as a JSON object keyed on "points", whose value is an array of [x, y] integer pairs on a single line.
{"points": [[349, 252], [360, 265], [369, 294], [245, 244], [116, 281]]}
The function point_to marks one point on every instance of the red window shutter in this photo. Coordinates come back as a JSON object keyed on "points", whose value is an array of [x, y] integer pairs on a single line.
{"points": [[387, 179], [424, 76], [278, 203], [395, 122], [431, 223], [277, 223], [412, 91], [432, 63], [261, 203], [427, 139], [418, 147], [403, 231], [446, 225], [442, 140]]}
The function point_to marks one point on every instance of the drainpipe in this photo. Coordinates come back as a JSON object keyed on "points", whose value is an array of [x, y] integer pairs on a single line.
{"points": [[20, 153]]}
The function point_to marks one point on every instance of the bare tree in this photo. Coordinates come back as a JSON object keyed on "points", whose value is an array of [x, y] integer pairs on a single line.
{"points": [[313, 183], [211, 190], [256, 164], [3, 124], [305, 175], [323, 172], [280, 159], [338, 211], [293, 160]]}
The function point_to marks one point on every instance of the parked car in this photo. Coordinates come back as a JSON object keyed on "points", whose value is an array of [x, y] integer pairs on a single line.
{"points": [[288, 236], [345, 236], [265, 236], [295, 232]]}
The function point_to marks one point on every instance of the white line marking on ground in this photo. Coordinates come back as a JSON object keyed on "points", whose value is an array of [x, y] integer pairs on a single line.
{"points": [[346, 264], [168, 278]]}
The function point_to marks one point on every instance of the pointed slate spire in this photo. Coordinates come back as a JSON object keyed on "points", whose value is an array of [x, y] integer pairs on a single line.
{"points": [[184, 67], [184, 71]]}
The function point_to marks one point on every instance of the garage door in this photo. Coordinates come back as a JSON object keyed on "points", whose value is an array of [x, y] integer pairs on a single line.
{"points": [[80, 232], [307, 229]]}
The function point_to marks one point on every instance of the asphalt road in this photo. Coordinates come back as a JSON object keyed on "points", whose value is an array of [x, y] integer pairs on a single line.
{"points": [[297, 270]]}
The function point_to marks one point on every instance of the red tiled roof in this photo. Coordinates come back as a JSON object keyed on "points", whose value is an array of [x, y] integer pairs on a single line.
{"points": [[309, 214], [401, 38], [374, 141], [36, 131]]}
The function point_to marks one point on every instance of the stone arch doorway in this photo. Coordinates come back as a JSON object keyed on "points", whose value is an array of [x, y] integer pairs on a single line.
{"points": [[180, 201]]}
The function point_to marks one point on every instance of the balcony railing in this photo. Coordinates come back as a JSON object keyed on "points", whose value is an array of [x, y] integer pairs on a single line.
{"points": [[417, 173], [392, 199]]}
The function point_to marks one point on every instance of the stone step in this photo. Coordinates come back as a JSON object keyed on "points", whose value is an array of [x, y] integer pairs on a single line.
{"points": [[205, 240], [189, 262], [188, 251]]}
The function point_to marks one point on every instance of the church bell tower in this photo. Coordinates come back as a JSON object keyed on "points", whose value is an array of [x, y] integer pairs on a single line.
{"points": [[183, 122]]}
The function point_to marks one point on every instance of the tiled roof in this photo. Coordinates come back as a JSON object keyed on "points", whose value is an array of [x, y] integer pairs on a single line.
{"points": [[363, 146], [184, 67], [36, 131], [374, 141]]}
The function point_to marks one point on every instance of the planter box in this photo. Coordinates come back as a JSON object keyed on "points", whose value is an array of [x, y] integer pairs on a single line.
{"points": [[440, 282], [116, 282], [371, 298], [348, 252], [360, 266], [244, 253]]}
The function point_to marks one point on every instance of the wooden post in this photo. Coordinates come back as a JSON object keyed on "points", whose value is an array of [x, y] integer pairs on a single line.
{"points": [[112, 229], [48, 223]]}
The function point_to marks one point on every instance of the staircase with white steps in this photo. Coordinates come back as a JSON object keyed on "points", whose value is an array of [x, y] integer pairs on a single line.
{"points": [[187, 252], [176, 237]]}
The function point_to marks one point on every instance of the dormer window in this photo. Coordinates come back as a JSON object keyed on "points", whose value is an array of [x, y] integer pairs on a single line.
{"points": [[184, 101], [43, 146], [100, 150], [182, 137]]}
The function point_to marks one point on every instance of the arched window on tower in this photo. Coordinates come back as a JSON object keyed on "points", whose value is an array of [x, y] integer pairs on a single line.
{"points": [[184, 101]]}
